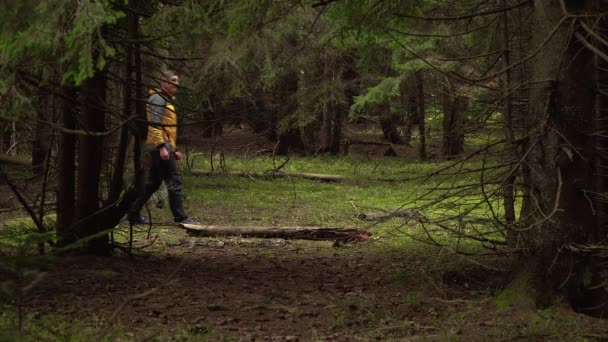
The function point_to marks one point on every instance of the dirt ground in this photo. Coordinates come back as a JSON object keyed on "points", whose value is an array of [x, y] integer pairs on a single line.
{"points": [[276, 290], [263, 290]]}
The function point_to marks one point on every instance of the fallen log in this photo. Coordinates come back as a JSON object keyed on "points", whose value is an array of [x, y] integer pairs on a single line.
{"points": [[287, 233], [271, 175], [407, 213]]}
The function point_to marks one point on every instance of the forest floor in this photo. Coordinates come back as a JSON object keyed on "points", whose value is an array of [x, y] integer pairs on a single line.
{"points": [[178, 287], [276, 290]]}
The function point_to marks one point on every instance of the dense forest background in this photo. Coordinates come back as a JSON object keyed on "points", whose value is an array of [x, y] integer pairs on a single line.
{"points": [[516, 87]]}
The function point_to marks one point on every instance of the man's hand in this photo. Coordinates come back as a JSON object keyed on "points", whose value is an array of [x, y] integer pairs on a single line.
{"points": [[164, 153], [178, 156]]}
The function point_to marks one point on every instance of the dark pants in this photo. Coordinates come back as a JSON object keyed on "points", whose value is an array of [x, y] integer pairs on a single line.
{"points": [[162, 171]]}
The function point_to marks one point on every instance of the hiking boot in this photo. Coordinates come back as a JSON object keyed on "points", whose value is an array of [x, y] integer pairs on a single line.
{"points": [[188, 221]]}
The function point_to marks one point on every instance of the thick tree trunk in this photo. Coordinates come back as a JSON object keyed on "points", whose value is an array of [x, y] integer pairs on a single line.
{"points": [[600, 78], [90, 153], [66, 172], [559, 217]]}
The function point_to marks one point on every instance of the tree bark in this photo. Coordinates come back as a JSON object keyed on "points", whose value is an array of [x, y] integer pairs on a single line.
{"points": [[333, 115], [421, 109], [326, 130], [289, 138], [557, 211], [117, 182], [509, 182], [454, 118], [388, 124], [90, 153], [66, 172], [40, 146]]}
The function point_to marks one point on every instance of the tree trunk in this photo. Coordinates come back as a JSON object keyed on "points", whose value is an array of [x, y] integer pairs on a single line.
{"points": [[257, 116], [41, 144], [560, 224], [412, 97], [410, 101], [90, 153], [289, 137], [140, 114], [600, 75], [289, 141], [454, 118], [421, 105], [388, 123], [66, 175], [340, 112], [117, 182], [333, 115], [326, 129], [409, 120], [331, 129], [509, 182]]}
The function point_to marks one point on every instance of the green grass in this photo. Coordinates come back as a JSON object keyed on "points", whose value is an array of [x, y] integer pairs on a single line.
{"points": [[372, 185], [18, 230]]}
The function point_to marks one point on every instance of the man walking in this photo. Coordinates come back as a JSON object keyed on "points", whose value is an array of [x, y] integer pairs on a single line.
{"points": [[161, 142]]}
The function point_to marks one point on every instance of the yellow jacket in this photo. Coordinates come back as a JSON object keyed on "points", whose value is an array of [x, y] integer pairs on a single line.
{"points": [[162, 120]]}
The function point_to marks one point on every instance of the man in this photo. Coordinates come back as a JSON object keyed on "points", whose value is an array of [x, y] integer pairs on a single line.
{"points": [[161, 142]]}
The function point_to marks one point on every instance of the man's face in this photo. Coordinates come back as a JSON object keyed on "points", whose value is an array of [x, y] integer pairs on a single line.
{"points": [[170, 85]]}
